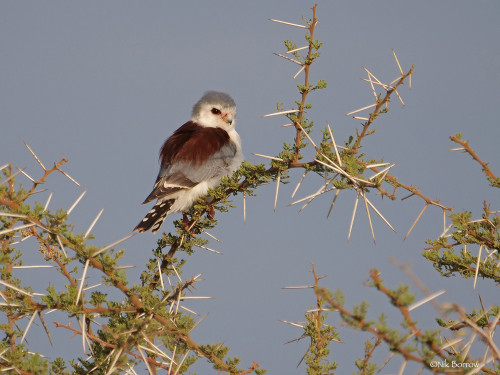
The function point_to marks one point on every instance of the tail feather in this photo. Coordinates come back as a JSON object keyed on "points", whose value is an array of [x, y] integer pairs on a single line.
{"points": [[154, 218]]}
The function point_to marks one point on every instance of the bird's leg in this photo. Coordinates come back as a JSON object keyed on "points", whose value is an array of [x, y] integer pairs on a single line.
{"points": [[210, 208], [186, 221], [211, 212]]}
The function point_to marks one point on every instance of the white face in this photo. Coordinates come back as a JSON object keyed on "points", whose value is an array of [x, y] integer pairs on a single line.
{"points": [[216, 116]]}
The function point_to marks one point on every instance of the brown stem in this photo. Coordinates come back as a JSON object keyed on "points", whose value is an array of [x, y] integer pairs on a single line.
{"points": [[377, 110], [307, 66], [472, 153]]}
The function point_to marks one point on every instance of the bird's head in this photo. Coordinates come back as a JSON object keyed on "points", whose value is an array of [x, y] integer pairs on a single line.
{"points": [[216, 110]]}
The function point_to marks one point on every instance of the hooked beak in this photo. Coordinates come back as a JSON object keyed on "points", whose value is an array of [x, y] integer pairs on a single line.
{"points": [[228, 118]]}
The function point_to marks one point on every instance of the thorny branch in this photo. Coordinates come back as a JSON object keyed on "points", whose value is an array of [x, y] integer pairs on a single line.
{"points": [[42, 232], [307, 67], [493, 178], [378, 108], [382, 333], [108, 345], [137, 304]]}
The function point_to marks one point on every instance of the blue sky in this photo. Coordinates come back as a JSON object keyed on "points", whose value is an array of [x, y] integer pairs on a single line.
{"points": [[104, 83]]}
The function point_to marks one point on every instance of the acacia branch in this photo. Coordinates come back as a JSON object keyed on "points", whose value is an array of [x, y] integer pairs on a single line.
{"points": [[109, 345], [307, 66], [471, 152], [376, 112], [404, 311]]}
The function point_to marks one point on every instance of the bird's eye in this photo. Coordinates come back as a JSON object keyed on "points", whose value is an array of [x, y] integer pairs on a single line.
{"points": [[215, 111]]}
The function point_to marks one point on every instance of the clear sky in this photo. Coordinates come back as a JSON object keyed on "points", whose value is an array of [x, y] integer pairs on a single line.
{"points": [[104, 83]]}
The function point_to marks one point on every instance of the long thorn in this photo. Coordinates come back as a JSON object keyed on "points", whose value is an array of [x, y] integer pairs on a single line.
{"points": [[300, 182], [337, 169], [93, 223], [208, 249], [8, 214], [320, 191], [353, 216], [81, 322], [198, 322], [48, 201], [91, 287], [45, 328], [334, 145], [114, 244], [28, 326], [282, 112], [27, 175], [288, 58], [278, 179], [61, 245], [402, 368], [82, 281], [361, 109], [371, 75], [171, 362], [451, 343], [111, 367], [369, 217], [397, 61], [425, 300], [299, 71], [31, 267], [416, 220], [160, 276], [211, 236], [70, 178], [307, 135], [145, 361], [16, 228], [446, 230], [444, 220], [76, 202], [382, 171], [399, 97], [380, 215], [181, 362], [288, 23], [244, 208], [292, 324], [36, 157], [297, 49], [156, 350], [383, 85], [176, 273], [10, 178], [477, 266], [268, 157], [333, 203], [373, 87], [15, 288]]}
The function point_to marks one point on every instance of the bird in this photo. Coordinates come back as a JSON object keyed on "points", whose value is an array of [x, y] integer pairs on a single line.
{"points": [[194, 158]]}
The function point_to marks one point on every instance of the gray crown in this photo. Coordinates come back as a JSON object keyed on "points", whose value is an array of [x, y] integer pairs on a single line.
{"points": [[214, 98]]}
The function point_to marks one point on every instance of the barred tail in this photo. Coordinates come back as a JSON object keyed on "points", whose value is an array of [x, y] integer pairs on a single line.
{"points": [[154, 218]]}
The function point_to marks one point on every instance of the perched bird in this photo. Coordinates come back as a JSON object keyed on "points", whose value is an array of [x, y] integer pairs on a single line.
{"points": [[194, 158]]}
